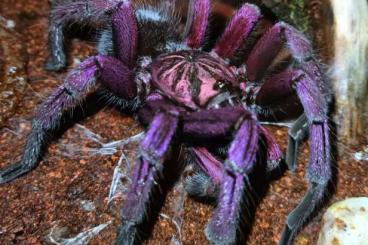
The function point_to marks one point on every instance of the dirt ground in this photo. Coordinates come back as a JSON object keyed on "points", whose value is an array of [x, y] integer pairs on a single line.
{"points": [[68, 192]]}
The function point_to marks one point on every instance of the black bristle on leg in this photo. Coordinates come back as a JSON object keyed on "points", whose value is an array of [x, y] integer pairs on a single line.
{"points": [[248, 205], [108, 98], [128, 234]]}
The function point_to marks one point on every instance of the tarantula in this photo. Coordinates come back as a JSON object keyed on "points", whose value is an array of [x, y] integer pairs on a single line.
{"points": [[184, 91]]}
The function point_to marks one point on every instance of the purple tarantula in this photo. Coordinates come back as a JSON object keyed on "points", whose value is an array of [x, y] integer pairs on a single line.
{"points": [[188, 91]]}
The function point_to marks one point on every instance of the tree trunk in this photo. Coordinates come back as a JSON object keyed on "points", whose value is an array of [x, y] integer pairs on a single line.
{"points": [[349, 68]]}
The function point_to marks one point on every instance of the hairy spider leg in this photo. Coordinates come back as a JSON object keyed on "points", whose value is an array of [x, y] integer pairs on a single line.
{"points": [[276, 91], [304, 78], [237, 30], [204, 183], [208, 163], [125, 33], [227, 218], [79, 83], [319, 167], [296, 134], [274, 153], [105, 45], [88, 13], [198, 12], [214, 123], [278, 88], [146, 175], [283, 36]]}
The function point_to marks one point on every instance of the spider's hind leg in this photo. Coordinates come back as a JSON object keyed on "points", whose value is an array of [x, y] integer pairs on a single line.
{"points": [[146, 177], [227, 219]]}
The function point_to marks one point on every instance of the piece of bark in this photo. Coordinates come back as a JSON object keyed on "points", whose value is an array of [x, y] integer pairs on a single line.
{"points": [[349, 68]]}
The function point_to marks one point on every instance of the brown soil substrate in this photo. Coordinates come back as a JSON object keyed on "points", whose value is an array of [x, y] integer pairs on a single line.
{"points": [[51, 195], [12, 71]]}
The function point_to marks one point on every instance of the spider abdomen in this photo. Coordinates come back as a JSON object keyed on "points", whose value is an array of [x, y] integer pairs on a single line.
{"points": [[191, 77]]}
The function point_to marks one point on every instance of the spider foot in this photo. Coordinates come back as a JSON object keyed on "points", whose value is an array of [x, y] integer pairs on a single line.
{"points": [[296, 218], [53, 64], [12, 172], [199, 185], [128, 234], [274, 154], [203, 179]]}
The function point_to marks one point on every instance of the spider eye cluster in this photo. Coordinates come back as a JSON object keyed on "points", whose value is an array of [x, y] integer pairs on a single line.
{"points": [[220, 85]]}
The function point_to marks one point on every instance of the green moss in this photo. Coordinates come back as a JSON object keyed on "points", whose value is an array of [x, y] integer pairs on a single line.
{"points": [[298, 14], [291, 11]]}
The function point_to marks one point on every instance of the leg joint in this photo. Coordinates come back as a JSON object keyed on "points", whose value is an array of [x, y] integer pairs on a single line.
{"points": [[152, 158], [232, 168]]}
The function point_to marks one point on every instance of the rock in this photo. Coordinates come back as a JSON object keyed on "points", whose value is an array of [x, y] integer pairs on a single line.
{"points": [[87, 206], [362, 155], [56, 234], [345, 223]]}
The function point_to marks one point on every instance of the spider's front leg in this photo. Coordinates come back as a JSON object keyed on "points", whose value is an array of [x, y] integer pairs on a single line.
{"points": [[304, 79], [234, 189], [146, 176], [78, 84], [204, 183], [234, 185], [91, 13]]}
